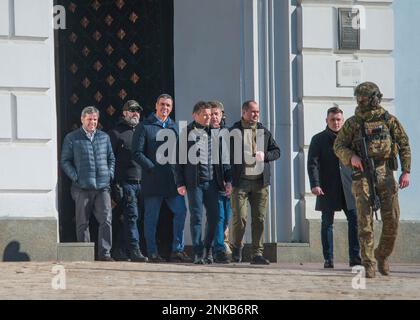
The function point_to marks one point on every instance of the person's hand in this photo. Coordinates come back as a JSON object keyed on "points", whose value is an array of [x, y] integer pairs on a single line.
{"points": [[259, 156], [113, 204], [228, 189], [317, 191], [356, 162], [404, 180], [182, 191]]}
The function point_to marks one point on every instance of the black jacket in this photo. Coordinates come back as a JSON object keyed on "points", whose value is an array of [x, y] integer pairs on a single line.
{"points": [[325, 171], [188, 174], [271, 152], [157, 179], [121, 140]]}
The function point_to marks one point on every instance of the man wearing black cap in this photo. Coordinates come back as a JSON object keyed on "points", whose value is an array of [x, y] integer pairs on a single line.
{"points": [[128, 175]]}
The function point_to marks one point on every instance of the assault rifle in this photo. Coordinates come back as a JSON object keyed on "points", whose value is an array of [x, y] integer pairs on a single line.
{"points": [[369, 171]]}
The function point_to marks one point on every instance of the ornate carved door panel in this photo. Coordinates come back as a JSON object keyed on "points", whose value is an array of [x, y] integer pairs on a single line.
{"points": [[111, 51]]}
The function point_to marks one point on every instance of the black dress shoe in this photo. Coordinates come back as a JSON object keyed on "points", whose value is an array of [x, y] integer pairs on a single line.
{"points": [[120, 255], [222, 258], [180, 256], [328, 264], [260, 260], [106, 258], [355, 262]]}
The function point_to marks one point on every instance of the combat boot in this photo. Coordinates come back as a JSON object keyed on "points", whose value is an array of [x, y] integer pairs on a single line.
{"points": [[370, 271], [383, 265]]}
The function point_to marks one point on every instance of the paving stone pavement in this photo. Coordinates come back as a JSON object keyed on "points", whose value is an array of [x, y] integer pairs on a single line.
{"points": [[126, 280]]}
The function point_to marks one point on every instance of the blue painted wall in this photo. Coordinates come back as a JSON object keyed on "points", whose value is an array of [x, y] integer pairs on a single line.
{"points": [[407, 82]]}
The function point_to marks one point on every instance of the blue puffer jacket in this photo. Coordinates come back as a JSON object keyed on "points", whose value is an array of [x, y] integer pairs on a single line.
{"points": [[90, 165], [157, 179]]}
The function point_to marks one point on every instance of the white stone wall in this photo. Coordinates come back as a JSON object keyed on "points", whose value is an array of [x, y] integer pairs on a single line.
{"points": [[407, 83], [28, 125], [318, 56], [207, 55]]}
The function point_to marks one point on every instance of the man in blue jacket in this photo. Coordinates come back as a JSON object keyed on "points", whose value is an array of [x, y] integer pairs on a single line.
{"points": [[88, 160], [158, 183]]}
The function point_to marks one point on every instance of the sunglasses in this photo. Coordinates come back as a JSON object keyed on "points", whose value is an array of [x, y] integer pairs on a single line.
{"points": [[134, 110]]}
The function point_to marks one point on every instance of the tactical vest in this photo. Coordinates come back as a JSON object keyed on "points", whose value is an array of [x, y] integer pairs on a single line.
{"points": [[379, 140]]}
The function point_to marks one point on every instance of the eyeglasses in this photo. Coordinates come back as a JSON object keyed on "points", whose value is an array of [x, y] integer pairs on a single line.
{"points": [[134, 110]]}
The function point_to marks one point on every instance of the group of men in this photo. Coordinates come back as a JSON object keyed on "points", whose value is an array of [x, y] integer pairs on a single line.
{"points": [[350, 167], [131, 160]]}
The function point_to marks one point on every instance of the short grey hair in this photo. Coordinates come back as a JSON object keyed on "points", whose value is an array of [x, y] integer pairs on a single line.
{"points": [[165, 96], [89, 110], [216, 104]]}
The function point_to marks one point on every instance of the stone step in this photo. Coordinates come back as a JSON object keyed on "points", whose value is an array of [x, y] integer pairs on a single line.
{"points": [[76, 251]]}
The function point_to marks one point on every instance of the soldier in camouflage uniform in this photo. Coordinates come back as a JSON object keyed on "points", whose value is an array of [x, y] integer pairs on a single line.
{"points": [[383, 146]]}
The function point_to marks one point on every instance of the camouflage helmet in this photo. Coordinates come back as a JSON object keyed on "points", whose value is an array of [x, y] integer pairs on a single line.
{"points": [[367, 89], [371, 90]]}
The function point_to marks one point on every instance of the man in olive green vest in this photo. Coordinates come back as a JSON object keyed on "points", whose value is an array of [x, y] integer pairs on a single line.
{"points": [[251, 179]]}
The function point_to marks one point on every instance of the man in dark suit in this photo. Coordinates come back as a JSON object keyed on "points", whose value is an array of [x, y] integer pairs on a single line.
{"points": [[331, 183]]}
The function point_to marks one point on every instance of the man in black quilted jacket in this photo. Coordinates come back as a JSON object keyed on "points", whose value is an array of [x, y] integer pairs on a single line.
{"points": [[128, 178], [88, 160]]}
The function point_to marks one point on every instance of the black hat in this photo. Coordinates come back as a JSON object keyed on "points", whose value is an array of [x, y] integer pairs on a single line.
{"points": [[132, 105]]}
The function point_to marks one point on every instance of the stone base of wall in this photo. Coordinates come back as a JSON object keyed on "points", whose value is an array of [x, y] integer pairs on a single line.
{"points": [[28, 239], [36, 240]]}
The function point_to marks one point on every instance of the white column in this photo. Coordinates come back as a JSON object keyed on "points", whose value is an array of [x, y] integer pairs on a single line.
{"points": [[267, 78], [28, 139]]}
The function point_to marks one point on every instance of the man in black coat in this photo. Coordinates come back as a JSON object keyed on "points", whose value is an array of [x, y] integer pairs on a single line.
{"points": [[128, 176], [331, 183]]}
